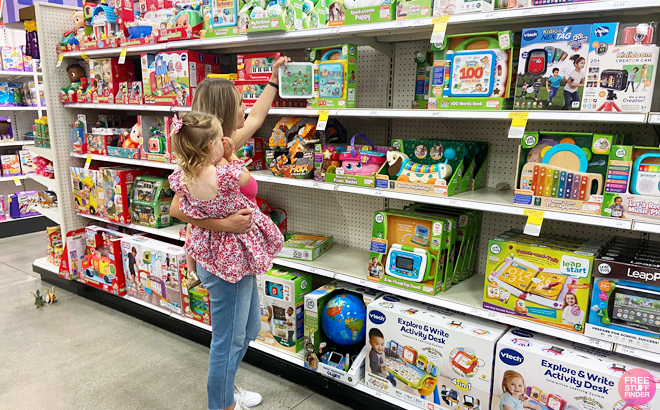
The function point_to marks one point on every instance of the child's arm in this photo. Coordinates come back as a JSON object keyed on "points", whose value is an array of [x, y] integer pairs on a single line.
{"points": [[190, 262], [528, 405], [230, 155]]}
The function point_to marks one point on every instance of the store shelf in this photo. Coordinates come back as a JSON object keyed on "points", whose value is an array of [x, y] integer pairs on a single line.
{"points": [[16, 144], [44, 264], [10, 219], [49, 183], [13, 178], [171, 232], [267, 176], [6, 73], [385, 397], [51, 213], [125, 107], [21, 108], [295, 358], [42, 152], [139, 162]]}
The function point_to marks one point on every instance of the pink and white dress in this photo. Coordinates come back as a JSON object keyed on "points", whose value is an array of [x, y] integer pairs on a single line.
{"points": [[229, 256]]}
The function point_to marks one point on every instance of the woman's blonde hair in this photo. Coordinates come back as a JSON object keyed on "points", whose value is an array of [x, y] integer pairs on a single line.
{"points": [[507, 377], [191, 142], [219, 97]]}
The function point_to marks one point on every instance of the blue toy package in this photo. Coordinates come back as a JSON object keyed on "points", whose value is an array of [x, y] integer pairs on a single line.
{"points": [[551, 60]]}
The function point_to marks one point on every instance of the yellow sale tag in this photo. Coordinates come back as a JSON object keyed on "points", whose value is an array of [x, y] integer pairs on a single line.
{"points": [[323, 120], [17, 182], [59, 60], [534, 221], [84, 55], [439, 30], [89, 161], [518, 124], [122, 55]]}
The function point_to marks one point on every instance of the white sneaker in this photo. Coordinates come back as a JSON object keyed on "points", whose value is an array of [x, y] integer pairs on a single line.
{"points": [[239, 406], [246, 398]]}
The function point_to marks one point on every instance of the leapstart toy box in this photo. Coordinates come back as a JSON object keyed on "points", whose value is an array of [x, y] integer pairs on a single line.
{"points": [[625, 299], [620, 78], [552, 63], [281, 295], [413, 251], [544, 279], [428, 356], [541, 372]]}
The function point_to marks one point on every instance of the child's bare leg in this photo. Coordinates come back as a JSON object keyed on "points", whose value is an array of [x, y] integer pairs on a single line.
{"points": [[190, 262]]}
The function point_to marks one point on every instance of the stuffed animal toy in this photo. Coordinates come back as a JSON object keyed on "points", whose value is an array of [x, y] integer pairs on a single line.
{"points": [[134, 138]]}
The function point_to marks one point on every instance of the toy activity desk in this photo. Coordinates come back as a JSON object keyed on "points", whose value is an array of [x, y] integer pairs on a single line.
{"points": [[547, 401], [413, 370]]}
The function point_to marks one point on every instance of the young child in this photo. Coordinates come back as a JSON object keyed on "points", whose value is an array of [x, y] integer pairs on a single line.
{"points": [[552, 84], [378, 354], [631, 79], [574, 81], [290, 323], [616, 209], [523, 93], [513, 386], [207, 180], [643, 77], [537, 87], [571, 314]]}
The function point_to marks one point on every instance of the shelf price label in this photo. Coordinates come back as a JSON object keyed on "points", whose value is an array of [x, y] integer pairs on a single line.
{"points": [[323, 120], [88, 161], [60, 58], [534, 221], [122, 55], [84, 56], [518, 124], [439, 30], [17, 181]]}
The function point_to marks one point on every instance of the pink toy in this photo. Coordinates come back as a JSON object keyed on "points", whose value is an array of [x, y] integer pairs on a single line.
{"points": [[363, 163]]}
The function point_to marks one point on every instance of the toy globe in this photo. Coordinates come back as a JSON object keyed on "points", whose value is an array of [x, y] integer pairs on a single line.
{"points": [[343, 319]]}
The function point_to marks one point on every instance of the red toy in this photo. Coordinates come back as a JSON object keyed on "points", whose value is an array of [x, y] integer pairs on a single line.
{"points": [[106, 74], [256, 67], [464, 361], [117, 185], [102, 267], [156, 141]]}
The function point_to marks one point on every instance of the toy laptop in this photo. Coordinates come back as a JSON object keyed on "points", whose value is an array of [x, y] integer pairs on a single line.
{"points": [[304, 246], [625, 300], [473, 72], [433, 357], [620, 78], [150, 201], [545, 279], [281, 295], [412, 250], [341, 362], [563, 171], [632, 185], [551, 59], [559, 375]]}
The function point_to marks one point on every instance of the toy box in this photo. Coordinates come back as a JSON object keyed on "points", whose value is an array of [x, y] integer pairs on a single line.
{"points": [[553, 374], [78, 134], [352, 164], [474, 72], [624, 299], [105, 76], [314, 14], [304, 246], [551, 60], [631, 185], [345, 304], [186, 21], [285, 15], [250, 91], [170, 78], [155, 132], [127, 143], [442, 7], [436, 167], [152, 271], [102, 266], [212, 30], [75, 248], [12, 58], [543, 279], [222, 14], [11, 165], [253, 154], [150, 201], [6, 132], [414, 9], [98, 140], [196, 302], [54, 248], [347, 12], [428, 356], [86, 185], [135, 92], [620, 78], [412, 250], [3, 210], [281, 295], [335, 69], [117, 185], [563, 171], [256, 67], [291, 153], [22, 204], [27, 162]]}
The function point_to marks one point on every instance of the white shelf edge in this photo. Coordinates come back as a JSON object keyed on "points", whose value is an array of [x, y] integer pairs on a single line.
{"points": [[2, 108], [6, 179], [124, 107], [51, 213], [9, 73], [164, 311], [10, 219], [49, 183], [171, 232], [289, 357], [42, 152], [129, 161], [43, 263], [17, 143], [385, 397]]}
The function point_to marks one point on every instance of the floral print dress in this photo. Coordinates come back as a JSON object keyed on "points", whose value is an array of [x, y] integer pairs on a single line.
{"points": [[229, 256]]}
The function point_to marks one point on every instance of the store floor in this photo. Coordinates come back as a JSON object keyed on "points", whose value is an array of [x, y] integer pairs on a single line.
{"points": [[77, 354]]}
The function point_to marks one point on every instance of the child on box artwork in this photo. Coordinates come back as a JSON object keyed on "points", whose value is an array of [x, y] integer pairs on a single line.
{"points": [[574, 81], [552, 84], [571, 314], [513, 386], [378, 354]]}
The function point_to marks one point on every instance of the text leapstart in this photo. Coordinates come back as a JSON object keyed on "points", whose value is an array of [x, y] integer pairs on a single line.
{"points": [[424, 332], [578, 378]]}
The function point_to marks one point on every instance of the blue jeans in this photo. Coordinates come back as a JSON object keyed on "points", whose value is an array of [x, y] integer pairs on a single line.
{"points": [[235, 320], [553, 92], [570, 97]]}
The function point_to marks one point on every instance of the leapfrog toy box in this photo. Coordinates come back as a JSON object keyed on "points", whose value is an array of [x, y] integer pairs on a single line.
{"points": [[542, 372], [625, 300], [413, 251], [151, 269], [281, 295], [430, 357], [544, 279], [552, 69], [335, 70]]}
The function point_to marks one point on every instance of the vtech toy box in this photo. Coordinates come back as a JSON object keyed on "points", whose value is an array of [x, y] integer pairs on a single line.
{"points": [[541, 372], [430, 357]]}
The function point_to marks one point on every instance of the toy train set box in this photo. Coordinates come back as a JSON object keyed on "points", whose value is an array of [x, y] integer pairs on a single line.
{"points": [[625, 299], [563, 171], [436, 167], [632, 185], [473, 72], [544, 279], [151, 269], [428, 356], [544, 373], [414, 251], [281, 295]]}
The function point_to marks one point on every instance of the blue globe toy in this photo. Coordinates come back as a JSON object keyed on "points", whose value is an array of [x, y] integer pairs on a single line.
{"points": [[343, 319]]}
